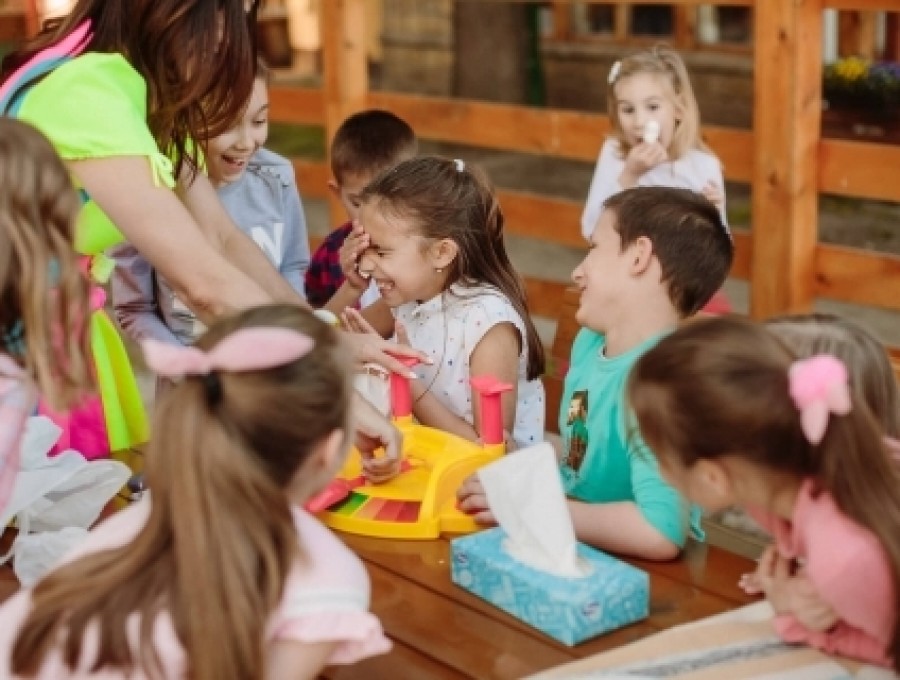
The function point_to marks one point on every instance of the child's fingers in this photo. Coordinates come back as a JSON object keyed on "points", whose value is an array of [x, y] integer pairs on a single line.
{"points": [[359, 322], [400, 333]]}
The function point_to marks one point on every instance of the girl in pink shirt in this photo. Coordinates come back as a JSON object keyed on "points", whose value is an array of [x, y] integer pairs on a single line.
{"points": [[217, 574], [42, 289], [735, 419]]}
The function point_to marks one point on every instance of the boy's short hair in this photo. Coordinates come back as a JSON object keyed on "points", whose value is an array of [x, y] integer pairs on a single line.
{"points": [[690, 240], [370, 142]]}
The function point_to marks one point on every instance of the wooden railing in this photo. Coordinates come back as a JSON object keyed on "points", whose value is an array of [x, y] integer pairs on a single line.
{"points": [[784, 159]]}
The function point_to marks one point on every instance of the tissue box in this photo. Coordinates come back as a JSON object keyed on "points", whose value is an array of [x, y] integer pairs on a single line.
{"points": [[570, 610]]}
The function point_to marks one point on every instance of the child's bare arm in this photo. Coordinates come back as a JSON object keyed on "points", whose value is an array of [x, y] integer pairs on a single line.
{"points": [[621, 528]]}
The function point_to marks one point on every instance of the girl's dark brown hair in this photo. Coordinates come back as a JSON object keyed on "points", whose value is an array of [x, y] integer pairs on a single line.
{"points": [[719, 387], [459, 204], [44, 293], [198, 58], [220, 539]]}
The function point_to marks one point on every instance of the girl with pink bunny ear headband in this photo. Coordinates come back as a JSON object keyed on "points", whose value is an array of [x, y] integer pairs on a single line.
{"points": [[734, 419]]}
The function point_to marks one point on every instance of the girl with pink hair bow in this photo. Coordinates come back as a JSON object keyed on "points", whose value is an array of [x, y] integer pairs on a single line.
{"points": [[218, 573], [736, 419]]}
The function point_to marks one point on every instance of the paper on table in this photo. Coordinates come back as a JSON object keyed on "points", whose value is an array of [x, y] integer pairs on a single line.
{"points": [[526, 497]]}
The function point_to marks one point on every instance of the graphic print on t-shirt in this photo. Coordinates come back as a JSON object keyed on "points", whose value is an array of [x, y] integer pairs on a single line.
{"points": [[577, 432]]}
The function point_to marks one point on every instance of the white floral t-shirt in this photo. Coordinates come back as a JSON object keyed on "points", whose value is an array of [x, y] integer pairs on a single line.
{"points": [[448, 327]]}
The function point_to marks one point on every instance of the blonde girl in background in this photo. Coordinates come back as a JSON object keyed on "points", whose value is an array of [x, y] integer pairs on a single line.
{"points": [[44, 294], [218, 574], [655, 137], [736, 419]]}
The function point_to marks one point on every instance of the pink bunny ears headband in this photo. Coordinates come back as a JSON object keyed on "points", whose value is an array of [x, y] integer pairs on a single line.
{"points": [[819, 387], [249, 349]]}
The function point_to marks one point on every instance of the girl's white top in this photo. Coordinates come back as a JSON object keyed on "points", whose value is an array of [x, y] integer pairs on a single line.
{"points": [[448, 327], [692, 171]]}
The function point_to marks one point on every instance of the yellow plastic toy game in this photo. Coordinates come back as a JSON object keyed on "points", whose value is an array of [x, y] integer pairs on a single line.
{"points": [[420, 502]]}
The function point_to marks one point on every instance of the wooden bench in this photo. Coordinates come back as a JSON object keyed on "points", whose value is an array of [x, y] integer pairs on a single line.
{"points": [[558, 357]]}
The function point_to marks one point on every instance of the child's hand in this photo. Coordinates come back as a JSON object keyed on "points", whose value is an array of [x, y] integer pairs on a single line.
{"points": [[774, 575], [373, 432], [356, 243], [807, 605], [471, 499], [714, 193], [641, 159]]}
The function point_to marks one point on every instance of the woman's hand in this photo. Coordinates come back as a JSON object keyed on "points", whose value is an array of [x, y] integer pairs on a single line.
{"points": [[373, 432], [370, 347], [641, 159]]}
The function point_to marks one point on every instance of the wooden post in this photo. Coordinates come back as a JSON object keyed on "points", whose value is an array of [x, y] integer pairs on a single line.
{"points": [[345, 70], [786, 124]]}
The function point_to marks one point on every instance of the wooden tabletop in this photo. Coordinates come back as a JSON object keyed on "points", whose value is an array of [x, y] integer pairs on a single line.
{"points": [[442, 631]]}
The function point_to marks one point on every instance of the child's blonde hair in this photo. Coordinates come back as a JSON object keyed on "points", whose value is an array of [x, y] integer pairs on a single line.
{"points": [[668, 66], [865, 358], [220, 539], [43, 293]]}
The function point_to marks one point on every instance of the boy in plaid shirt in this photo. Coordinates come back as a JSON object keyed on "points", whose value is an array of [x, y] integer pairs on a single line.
{"points": [[365, 145]]}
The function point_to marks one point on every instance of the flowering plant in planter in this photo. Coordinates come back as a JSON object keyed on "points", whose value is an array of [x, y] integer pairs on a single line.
{"points": [[855, 83]]}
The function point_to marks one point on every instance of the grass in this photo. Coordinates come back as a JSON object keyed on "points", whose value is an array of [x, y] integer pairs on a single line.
{"points": [[297, 141]]}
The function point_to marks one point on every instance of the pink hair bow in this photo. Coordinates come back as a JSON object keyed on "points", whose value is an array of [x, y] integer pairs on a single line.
{"points": [[819, 386], [249, 349]]}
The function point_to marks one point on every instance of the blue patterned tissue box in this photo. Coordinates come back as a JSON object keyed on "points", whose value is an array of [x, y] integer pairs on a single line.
{"points": [[571, 610]]}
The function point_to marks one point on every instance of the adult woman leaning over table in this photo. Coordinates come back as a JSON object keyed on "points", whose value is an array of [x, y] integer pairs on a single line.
{"points": [[121, 87]]}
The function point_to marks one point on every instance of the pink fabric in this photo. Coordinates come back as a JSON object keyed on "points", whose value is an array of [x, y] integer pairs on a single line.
{"points": [[850, 570], [819, 387], [84, 426], [249, 349], [83, 429], [17, 397], [326, 598]]}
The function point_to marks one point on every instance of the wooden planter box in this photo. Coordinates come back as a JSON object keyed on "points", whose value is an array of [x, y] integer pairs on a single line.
{"points": [[865, 124]]}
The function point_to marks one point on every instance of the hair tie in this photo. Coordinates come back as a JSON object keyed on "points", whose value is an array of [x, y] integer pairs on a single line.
{"points": [[460, 164], [249, 349], [819, 387], [614, 72], [213, 388]]}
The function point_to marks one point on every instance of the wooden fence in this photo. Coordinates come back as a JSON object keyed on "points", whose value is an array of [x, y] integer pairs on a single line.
{"points": [[783, 158]]}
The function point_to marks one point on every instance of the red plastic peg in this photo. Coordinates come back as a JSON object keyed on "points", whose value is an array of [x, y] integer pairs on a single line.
{"points": [[401, 393], [489, 390]]}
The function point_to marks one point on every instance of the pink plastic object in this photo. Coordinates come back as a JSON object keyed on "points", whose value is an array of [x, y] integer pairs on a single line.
{"points": [[338, 489], [489, 390], [401, 394]]}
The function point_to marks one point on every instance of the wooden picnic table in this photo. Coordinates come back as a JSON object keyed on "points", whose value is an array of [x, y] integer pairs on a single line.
{"points": [[442, 632]]}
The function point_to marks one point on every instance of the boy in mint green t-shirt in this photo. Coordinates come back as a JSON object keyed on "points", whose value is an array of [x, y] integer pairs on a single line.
{"points": [[657, 255]]}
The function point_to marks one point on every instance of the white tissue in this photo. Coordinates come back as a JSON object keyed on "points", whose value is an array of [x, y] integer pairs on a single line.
{"points": [[525, 495], [651, 132]]}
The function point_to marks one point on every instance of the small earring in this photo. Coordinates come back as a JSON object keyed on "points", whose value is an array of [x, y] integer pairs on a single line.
{"points": [[439, 270]]}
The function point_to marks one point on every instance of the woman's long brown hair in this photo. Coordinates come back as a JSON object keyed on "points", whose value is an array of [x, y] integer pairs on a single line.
{"points": [[198, 58], [220, 539], [43, 291], [460, 205], [720, 387]]}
